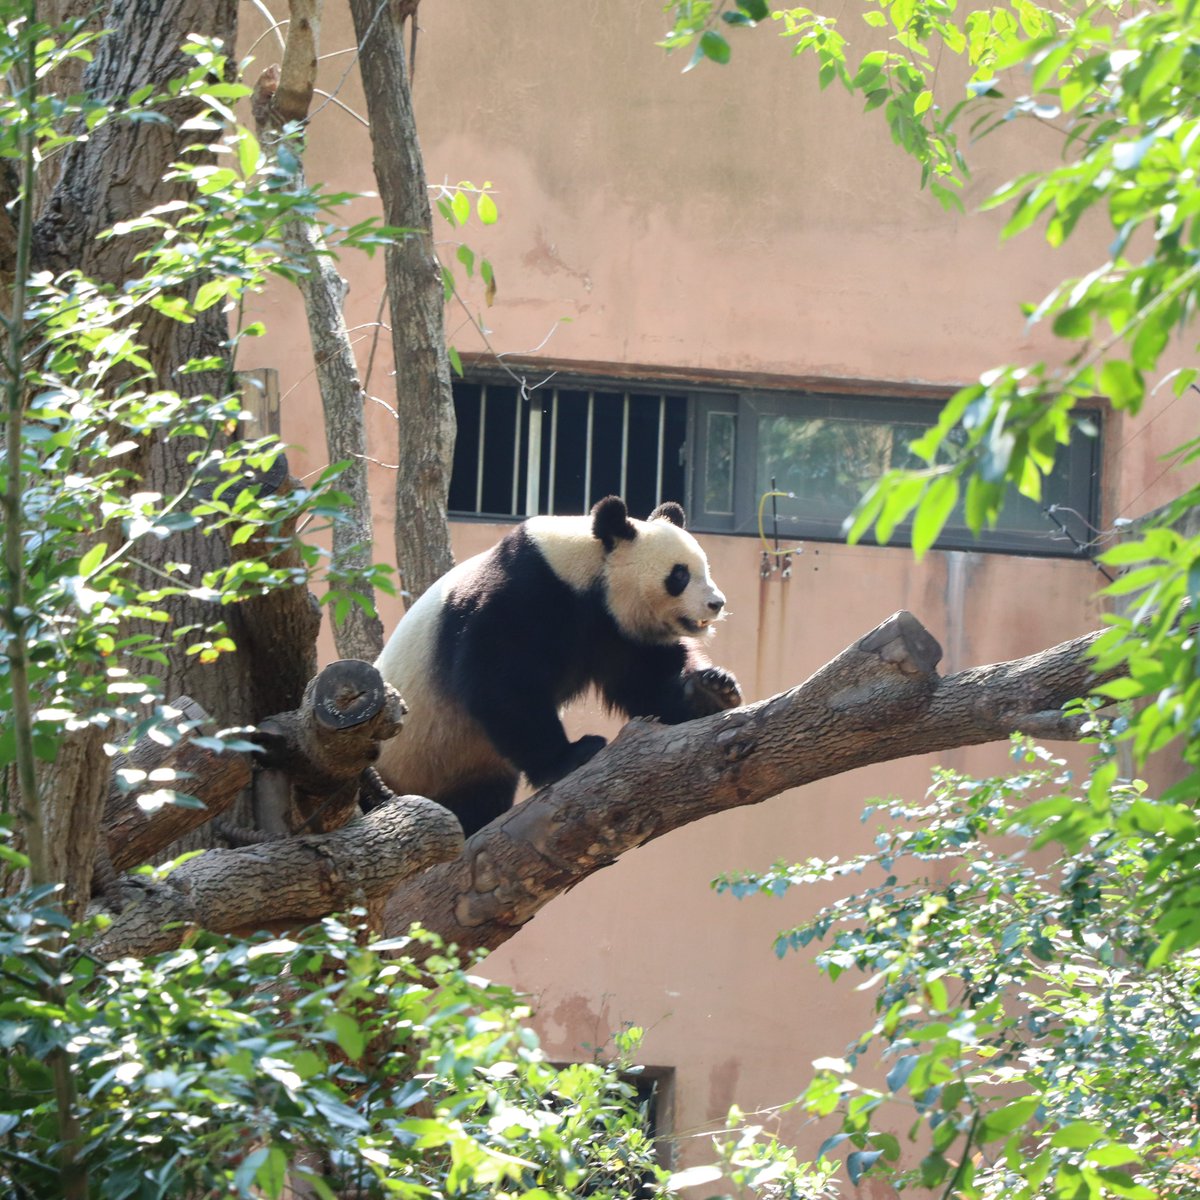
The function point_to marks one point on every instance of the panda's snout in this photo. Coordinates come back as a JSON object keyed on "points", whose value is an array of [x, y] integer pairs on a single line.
{"points": [[716, 605]]}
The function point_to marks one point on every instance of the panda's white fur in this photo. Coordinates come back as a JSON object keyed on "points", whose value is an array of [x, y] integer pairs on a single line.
{"points": [[486, 657], [633, 574]]}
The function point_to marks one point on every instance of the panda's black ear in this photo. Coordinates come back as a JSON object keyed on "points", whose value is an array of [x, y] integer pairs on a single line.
{"points": [[610, 521], [669, 511]]}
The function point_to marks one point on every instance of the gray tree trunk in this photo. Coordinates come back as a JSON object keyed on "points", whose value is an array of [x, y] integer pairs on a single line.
{"points": [[424, 404]]}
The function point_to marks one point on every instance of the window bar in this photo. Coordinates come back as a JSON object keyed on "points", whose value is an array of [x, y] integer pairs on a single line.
{"points": [[553, 447], [625, 447], [662, 433], [479, 456], [533, 476], [587, 454], [516, 457]]}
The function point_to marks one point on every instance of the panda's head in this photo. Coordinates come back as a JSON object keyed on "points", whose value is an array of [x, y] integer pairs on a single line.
{"points": [[656, 578]]}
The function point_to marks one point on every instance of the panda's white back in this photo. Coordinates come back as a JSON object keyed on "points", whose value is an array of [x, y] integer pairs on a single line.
{"points": [[439, 742]]}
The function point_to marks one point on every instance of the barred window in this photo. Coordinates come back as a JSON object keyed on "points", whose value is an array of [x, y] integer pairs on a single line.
{"points": [[564, 448], [718, 452]]}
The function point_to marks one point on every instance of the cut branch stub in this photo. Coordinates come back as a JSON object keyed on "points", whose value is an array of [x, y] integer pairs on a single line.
{"points": [[348, 692], [905, 642], [325, 745]]}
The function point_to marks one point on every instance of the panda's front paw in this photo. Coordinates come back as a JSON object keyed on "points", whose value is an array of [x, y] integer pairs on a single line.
{"points": [[711, 690], [582, 751]]}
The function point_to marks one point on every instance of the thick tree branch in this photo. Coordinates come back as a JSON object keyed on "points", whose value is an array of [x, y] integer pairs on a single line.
{"points": [[880, 699], [134, 834], [287, 882]]}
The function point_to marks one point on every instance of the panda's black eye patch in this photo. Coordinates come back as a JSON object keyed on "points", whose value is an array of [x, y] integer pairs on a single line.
{"points": [[678, 579]]}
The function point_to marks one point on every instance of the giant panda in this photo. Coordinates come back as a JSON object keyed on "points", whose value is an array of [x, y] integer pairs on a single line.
{"points": [[486, 657]]}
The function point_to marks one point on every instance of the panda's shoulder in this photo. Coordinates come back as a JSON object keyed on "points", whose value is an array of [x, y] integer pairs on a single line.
{"points": [[567, 546]]}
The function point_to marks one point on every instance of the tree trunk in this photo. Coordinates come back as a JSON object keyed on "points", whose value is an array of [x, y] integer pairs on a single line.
{"points": [[117, 173], [283, 94], [424, 404]]}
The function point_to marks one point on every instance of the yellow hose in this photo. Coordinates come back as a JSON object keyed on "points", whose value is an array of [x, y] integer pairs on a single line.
{"points": [[762, 501]]}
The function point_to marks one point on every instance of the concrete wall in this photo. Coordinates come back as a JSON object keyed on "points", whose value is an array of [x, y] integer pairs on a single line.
{"points": [[742, 221]]}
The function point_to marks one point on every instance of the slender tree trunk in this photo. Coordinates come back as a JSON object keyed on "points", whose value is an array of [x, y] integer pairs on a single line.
{"points": [[283, 94], [424, 404]]}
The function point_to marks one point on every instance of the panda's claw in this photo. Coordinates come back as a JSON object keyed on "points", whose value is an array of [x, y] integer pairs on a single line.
{"points": [[712, 690]]}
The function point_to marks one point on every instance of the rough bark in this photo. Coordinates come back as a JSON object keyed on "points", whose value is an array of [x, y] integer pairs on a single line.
{"points": [[880, 699], [283, 94], [324, 746], [283, 883], [298, 74], [134, 834], [424, 405], [115, 173]]}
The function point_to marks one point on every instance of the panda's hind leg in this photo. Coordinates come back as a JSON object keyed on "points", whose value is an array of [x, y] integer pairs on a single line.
{"points": [[480, 802]]}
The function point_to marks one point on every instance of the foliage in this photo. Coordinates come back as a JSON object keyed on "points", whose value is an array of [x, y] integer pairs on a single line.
{"points": [[1039, 1017], [454, 205], [88, 401], [1028, 1039], [228, 1067], [1118, 92]]}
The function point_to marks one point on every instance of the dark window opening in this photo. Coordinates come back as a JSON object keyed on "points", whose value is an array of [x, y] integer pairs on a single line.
{"points": [[562, 449]]}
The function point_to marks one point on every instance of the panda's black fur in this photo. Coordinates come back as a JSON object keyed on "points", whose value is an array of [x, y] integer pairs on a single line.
{"points": [[487, 657]]}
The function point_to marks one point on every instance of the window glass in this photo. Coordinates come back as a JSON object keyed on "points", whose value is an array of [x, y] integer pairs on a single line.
{"points": [[499, 434], [720, 440], [608, 422], [570, 452], [641, 474]]}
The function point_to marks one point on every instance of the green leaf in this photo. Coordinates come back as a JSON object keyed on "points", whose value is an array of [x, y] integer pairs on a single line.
{"points": [[1078, 1135], [1003, 1121], [209, 293], [714, 46], [349, 1035], [248, 152], [860, 1162], [92, 559], [933, 512], [870, 69], [485, 208], [272, 1174], [460, 206], [1122, 383]]}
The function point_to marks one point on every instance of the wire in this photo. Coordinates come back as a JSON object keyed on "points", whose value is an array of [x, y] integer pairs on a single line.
{"points": [[1051, 514], [762, 533]]}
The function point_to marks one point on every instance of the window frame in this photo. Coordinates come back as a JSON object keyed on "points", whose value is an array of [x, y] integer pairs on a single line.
{"points": [[1084, 457], [890, 404]]}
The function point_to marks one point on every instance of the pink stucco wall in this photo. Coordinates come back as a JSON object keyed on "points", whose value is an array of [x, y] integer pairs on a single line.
{"points": [[734, 220]]}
